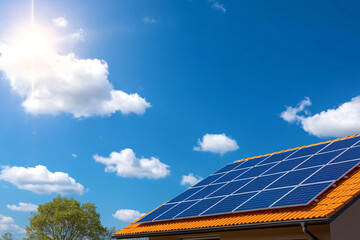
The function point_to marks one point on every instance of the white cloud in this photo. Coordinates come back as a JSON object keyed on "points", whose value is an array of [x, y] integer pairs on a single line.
{"points": [[216, 143], [127, 215], [50, 83], [79, 35], [126, 164], [149, 20], [338, 122], [74, 155], [190, 179], [7, 224], [23, 207], [60, 22], [291, 113], [217, 5], [40, 180]]}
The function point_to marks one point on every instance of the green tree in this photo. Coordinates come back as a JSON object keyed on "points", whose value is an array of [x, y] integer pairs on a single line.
{"points": [[6, 236], [65, 219]]}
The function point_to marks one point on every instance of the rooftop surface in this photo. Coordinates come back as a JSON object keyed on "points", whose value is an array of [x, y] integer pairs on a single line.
{"points": [[326, 206]]}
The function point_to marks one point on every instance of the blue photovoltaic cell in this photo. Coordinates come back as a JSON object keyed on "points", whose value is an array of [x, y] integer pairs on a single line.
{"points": [[264, 199], [175, 210], [251, 162], [230, 188], [332, 172], [341, 144], [229, 167], [156, 212], [308, 150], [320, 159], [293, 177], [277, 157], [205, 191], [350, 154], [209, 180], [288, 178], [258, 183], [199, 207], [185, 194], [302, 194], [229, 203], [256, 171], [231, 175], [286, 165]]}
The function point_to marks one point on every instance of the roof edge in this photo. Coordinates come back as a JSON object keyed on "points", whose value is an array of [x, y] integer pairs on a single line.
{"points": [[264, 155], [226, 228]]}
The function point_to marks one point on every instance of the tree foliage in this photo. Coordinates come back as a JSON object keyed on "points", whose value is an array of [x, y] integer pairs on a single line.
{"points": [[66, 219], [6, 236]]}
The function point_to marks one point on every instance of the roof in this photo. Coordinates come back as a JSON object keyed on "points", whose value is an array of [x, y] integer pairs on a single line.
{"points": [[327, 206]]}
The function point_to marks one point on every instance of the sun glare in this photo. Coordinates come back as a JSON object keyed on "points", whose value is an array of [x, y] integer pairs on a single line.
{"points": [[33, 42]]}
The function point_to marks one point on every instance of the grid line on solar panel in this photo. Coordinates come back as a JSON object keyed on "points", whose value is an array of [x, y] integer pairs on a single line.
{"points": [[333, 172], [174, 210], [208, 180], [300, 193], [311, 150], [263, 199], [199, 207], [252, 162], [320, 159], [286, 165], [189, 192], [230, 188], [229, 167], [231, 175], [350, 154], [346, 143], [279, 156], [205, 191], [293, 177], [228, 204]]}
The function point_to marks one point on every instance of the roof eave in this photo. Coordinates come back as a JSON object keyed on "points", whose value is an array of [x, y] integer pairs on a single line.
{"points": [[226, 228]]}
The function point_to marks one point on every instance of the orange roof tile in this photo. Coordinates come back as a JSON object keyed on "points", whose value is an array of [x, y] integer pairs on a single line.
{"points": [[330, 202]]}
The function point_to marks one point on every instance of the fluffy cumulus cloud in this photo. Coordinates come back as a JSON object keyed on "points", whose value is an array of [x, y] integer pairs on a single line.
{"points": [[126, 164], [216, 143], [190, 180], [40, 180], [53, 83], [7, 224], [291, 113], [23, 207], [338, 122], [60, 22], [217, 5], [127, 215]]}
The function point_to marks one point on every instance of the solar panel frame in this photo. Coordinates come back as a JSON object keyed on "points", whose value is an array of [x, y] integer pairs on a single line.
{"points": [[259, 162]]}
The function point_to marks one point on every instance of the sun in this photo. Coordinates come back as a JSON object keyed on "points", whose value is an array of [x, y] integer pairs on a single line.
{"points": [[33, 41]]}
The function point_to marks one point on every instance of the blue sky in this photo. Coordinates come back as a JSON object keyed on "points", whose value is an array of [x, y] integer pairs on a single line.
{"points": [[233, 79]]}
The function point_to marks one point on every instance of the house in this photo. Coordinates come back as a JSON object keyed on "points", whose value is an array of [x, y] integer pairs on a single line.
{"points": [[333, 212]]}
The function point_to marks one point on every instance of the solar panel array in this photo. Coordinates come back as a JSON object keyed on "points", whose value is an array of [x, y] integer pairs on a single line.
{"points": [[286, 179]]}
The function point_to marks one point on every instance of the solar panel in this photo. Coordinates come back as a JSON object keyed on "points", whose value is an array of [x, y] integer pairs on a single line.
{"points": [[301, 194], [200, 207], [284, 179], [264, 199]]}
